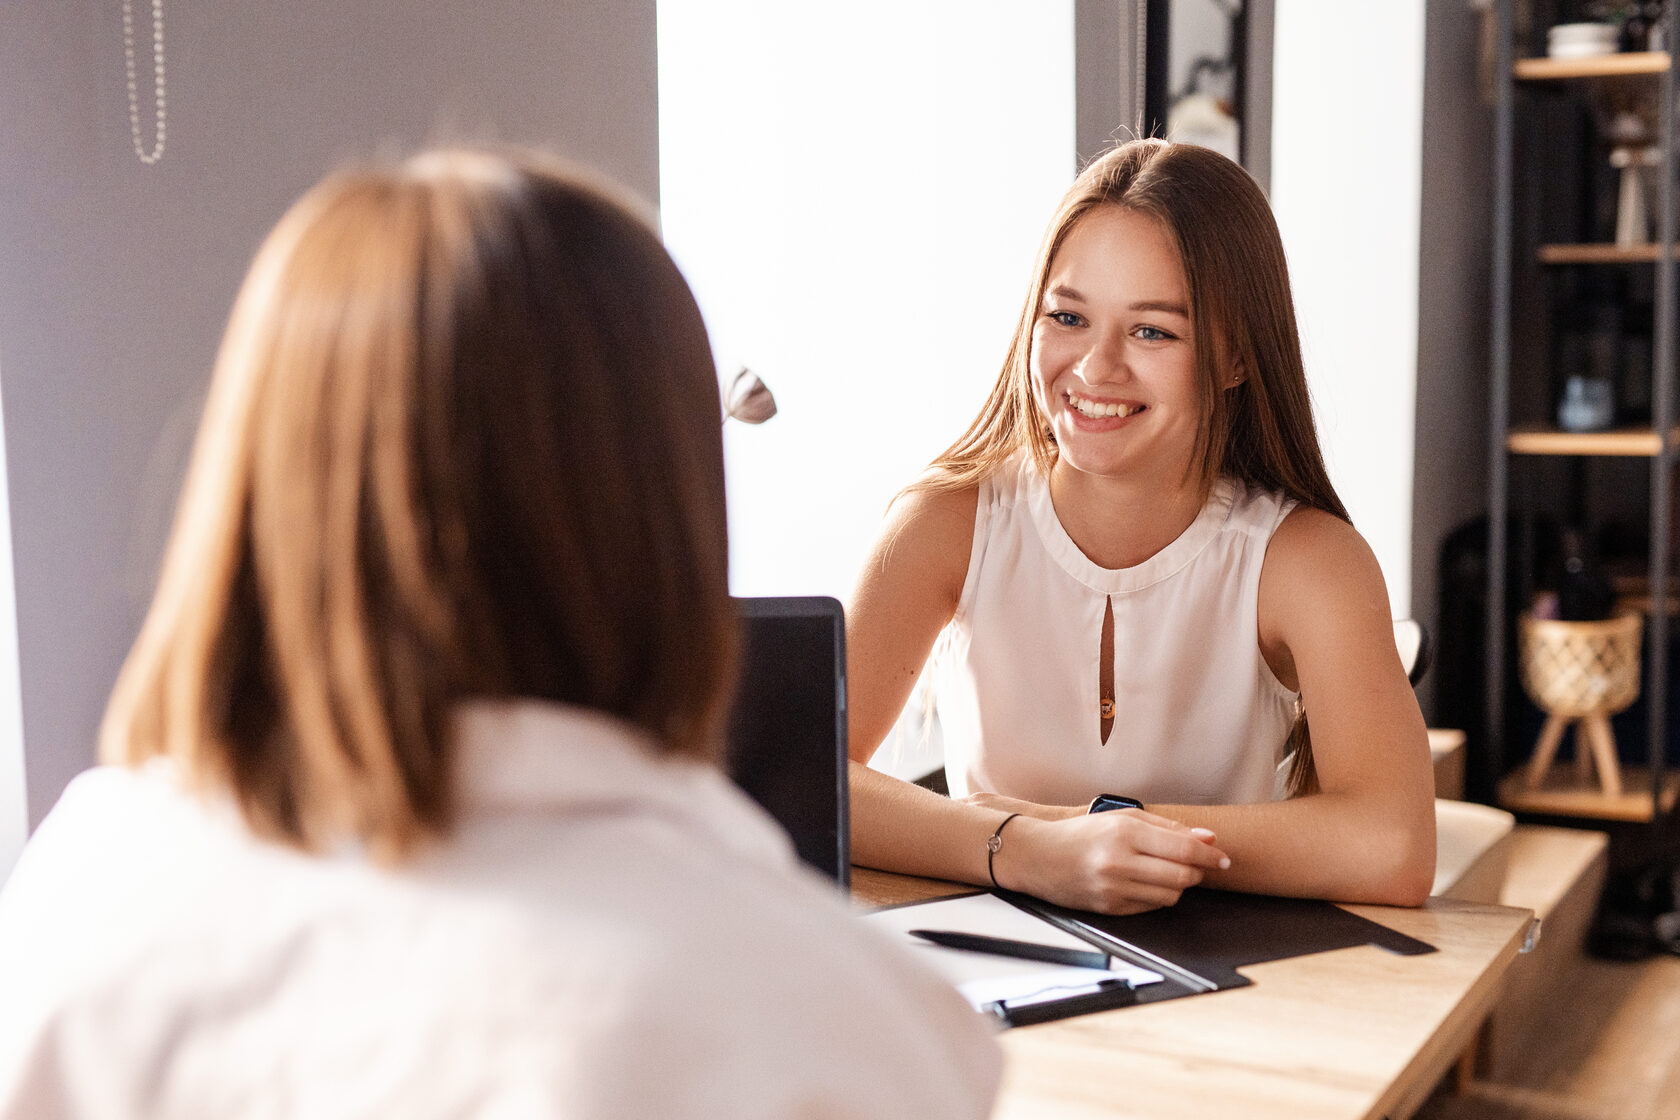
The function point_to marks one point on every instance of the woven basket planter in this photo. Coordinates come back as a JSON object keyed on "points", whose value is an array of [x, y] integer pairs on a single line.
{"points": [[1581, 674], [1574, 669]]}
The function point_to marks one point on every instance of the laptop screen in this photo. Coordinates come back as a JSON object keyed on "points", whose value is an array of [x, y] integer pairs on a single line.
{"points": [[787, 728]]}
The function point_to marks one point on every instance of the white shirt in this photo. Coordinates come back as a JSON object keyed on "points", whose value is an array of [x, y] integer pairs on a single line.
{"points": [[606, 934], [1199, 716]]}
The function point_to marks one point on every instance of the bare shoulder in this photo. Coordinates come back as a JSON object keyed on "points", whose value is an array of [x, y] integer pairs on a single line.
{"points": [[1320, 588], [1318, 550], [928, 532], [909, 589], [935, 508]]}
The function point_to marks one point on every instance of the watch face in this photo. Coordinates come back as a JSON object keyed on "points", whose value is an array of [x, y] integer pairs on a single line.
{"points": [[1108, 801]]}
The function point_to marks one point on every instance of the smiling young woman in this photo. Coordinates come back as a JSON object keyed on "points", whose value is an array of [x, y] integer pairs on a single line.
{"points": [[1145, 581]]}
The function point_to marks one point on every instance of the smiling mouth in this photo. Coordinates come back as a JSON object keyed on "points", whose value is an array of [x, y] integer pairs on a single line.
{"points": [[1102, 410]]}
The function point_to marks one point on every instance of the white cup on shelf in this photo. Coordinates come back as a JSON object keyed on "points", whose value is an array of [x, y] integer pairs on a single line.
{"points": [[1582, 40]]}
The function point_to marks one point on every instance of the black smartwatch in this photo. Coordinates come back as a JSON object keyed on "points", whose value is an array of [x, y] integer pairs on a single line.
{"points": [[1103, 802]]}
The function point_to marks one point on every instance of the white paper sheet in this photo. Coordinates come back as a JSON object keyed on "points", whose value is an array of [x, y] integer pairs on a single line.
{"points": [[984, 978]]}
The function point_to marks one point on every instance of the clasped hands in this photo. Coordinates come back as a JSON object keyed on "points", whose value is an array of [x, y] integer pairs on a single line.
{"points": [[1120, 862]]}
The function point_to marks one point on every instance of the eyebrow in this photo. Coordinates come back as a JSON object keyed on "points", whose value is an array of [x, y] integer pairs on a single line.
{"points": [[1167, 306]]}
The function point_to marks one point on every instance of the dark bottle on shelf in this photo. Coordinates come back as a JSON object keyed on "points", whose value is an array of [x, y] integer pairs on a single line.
{"points": [[1642, 27], [1583, 590], [1633, 372]]}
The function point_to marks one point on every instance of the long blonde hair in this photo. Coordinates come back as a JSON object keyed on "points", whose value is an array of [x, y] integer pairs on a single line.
{"points": [[1260, 433], [462, 440]]}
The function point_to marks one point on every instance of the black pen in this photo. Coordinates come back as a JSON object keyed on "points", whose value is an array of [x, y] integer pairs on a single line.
{"points": [[1004, 947]]}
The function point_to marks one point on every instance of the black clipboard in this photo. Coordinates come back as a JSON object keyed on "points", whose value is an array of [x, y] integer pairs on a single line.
{"points": [[1200, 944]]}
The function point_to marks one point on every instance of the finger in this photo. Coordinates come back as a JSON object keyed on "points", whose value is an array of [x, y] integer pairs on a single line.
{"points": [[1132, 895], [1205, 835], [1181, 847], [1155, 819], [1155, 875]]}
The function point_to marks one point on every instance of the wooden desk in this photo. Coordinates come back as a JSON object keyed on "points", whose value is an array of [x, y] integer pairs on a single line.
{"points": [[1348, 1035]]}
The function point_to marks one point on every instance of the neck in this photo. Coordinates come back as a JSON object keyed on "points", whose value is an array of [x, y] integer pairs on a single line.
{"points": [[1120, 523]]}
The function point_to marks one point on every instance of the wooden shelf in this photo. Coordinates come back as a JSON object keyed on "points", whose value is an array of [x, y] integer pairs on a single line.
{"points": [[1620, 441], [1633, 590], [1560, 796], [1642, 604], [1603, 252], [1632, 64]]}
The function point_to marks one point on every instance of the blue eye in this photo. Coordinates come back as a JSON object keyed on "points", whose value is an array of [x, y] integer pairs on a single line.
{"points": [[1153, 334], [1065, 318]]}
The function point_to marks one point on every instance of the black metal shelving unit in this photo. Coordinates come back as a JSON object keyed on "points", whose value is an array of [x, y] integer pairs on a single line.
{"points": [[1515, 455]]}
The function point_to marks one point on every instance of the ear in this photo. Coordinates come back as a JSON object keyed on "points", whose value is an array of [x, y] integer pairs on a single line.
{"points": [[1238, 375]]}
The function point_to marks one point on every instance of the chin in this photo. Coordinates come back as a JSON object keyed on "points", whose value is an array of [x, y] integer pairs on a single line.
{"points": [[1095, 465]]}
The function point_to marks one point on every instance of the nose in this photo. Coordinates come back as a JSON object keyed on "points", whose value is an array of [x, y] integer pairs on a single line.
{"points": [[1104, 359]]}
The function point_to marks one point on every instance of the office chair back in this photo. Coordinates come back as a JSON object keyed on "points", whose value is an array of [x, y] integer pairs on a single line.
{"points": [[1412, 640]]}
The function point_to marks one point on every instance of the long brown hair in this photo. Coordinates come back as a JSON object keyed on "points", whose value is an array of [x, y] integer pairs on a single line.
{"points": [[1242, 315], [462, 440]]}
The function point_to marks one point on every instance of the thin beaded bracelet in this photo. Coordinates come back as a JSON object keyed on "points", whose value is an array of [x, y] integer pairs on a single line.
{"points": [[993, 843]]}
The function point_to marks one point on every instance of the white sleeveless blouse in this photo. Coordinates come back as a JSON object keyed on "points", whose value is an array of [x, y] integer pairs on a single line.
{"points": [[1199, 716]]}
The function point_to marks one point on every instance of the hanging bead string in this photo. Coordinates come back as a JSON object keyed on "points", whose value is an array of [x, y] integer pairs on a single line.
{"points": [[156, 153]]}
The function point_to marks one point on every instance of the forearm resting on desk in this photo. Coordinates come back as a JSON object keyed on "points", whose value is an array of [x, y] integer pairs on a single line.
{"points": [[897, 826], [1111, 862], [1344, 847], [1333, 846]]}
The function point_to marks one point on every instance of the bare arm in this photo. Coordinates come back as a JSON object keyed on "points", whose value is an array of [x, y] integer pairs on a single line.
{"points": [[1368, 835], [908, 591]]}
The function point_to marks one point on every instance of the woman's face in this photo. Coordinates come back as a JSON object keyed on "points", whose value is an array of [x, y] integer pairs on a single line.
{"points": [[1113, 360]]}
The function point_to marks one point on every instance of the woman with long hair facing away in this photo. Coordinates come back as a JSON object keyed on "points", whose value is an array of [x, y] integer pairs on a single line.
{"points": [[410, 805], [1143, 590]]}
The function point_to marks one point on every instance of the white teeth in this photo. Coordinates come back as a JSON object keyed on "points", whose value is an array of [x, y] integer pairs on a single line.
{"points": [[1097, 410]]}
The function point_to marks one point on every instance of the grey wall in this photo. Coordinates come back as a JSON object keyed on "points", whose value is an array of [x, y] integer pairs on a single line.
{"points": [[1108, 91], [115, 278], [1450, 469], [1257, 125]]}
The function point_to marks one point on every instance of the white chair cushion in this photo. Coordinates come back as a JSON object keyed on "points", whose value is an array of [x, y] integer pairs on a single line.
{"points": [[1471, 843]]}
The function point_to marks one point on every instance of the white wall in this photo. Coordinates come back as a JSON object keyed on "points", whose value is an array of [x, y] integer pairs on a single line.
{"points": [[1347, 150], [856, 194]]}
